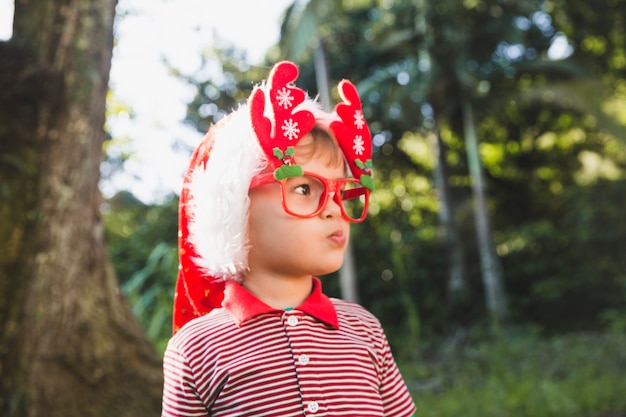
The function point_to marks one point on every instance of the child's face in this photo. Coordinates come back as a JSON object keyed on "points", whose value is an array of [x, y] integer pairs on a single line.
{"points": [[293, 246]]}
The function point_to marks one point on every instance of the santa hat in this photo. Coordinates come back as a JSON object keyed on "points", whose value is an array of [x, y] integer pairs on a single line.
{"points": [[259, 135]]}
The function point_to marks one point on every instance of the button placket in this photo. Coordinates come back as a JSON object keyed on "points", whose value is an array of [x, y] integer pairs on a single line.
{"points": [[303, 358], [302, 361]]}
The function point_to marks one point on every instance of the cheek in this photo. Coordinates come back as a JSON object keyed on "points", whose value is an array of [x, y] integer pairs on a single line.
{"points": [[272, 232], [265, 219]]}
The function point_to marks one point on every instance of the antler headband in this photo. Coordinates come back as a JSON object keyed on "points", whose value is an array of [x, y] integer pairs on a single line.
{"points": [[279, 139]]}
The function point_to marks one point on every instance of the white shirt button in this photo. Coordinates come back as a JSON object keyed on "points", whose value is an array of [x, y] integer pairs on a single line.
{"points": [[292, 320], [303, 359], [313, 407]]}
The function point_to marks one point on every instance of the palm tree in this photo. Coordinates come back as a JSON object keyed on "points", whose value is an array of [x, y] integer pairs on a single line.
{"points": [[438, 47], [453, 56]]}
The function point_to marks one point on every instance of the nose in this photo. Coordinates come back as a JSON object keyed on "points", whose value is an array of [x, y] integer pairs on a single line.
{"points": [[333, 205]]}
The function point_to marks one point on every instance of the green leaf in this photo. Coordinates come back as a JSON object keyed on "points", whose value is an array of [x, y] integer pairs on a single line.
{"points": [[278, 153], [367, 182], [288, 171]]}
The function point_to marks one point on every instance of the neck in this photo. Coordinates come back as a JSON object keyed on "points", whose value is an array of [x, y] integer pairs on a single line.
{"points": [[277, 291]]}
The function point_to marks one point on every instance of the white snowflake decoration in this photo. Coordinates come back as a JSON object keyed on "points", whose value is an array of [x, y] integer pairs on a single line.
{"points": [[359, 120], [290, 129], [359, 145], [284, 98]]}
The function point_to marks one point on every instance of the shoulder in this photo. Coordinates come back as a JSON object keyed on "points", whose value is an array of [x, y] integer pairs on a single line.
{"points": [[352, 313], [358, 324], [213, 326]]}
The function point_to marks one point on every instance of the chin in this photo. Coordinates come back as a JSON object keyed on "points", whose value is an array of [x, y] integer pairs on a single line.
{"points": [[330, 269]]}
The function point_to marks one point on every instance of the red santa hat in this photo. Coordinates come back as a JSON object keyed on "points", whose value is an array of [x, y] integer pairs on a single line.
{"points": [[259, 135]]}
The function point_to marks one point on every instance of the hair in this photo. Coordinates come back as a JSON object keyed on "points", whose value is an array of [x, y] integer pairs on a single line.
{"points": [[319, 142]]}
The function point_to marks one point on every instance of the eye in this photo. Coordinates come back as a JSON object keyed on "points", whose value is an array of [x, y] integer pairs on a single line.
{"points": [[302, 189], [305, 186]]}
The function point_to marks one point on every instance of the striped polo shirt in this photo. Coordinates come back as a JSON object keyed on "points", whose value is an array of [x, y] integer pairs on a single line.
{"points": [[327, 357]]}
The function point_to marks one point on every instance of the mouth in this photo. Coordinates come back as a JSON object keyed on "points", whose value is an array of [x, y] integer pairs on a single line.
{"points": [[338, 237]]}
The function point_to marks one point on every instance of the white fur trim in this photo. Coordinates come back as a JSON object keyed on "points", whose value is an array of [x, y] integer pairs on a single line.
{"points": [[219, 202]]}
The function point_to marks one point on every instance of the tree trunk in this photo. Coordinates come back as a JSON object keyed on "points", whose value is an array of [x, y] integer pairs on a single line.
{"points": [[69, 344], [489, 262], [457, 282]]}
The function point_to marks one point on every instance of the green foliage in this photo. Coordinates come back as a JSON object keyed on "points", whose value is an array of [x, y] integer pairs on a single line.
{"points": [[523, 375], [551, 151], [151, 299], [218, 96], [560, 228], [142, 244]]}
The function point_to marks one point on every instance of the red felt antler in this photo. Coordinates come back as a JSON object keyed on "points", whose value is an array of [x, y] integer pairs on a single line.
{"points": [[353, 135], [278, 140]]}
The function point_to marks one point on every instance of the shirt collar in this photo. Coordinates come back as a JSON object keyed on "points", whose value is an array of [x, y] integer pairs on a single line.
{"points": [[243, 306]]}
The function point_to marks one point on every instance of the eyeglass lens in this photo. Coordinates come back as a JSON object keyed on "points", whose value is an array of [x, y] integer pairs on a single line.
{"points": [[304, 195]]}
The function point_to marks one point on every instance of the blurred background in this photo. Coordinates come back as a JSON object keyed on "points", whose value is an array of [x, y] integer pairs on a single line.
{"points": [[494, 252]]}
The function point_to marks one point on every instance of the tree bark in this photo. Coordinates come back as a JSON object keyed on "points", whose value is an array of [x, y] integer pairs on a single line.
{"points": [[457, 282], [69, 344], [491, 270]]}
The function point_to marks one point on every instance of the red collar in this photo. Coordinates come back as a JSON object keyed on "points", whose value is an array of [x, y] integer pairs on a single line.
{"points": [[243, 306]]}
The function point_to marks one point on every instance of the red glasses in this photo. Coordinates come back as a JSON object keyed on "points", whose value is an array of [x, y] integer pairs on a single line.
{"points": [[307, 195]]}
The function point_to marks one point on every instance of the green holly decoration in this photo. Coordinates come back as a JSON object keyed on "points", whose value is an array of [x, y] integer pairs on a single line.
{"points": [[278, 153], [364, 166], [367, 181], [288, 171]]}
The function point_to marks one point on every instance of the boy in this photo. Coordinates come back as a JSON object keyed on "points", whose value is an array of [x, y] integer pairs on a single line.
{"points": [[266, 207]]}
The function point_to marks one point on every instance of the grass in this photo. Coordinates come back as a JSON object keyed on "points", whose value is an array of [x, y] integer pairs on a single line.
{"points": [[522, 375]]}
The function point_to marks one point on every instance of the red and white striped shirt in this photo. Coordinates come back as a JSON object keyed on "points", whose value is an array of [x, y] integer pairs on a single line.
{"points": [[327, 357]]}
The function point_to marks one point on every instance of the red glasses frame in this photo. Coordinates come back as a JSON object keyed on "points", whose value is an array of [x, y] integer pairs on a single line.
{"points": [[332, 186]]}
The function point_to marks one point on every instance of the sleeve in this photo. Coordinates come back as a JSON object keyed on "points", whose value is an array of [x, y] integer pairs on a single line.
{"points": [[397, 401], [180, 395]]}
